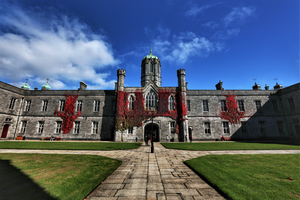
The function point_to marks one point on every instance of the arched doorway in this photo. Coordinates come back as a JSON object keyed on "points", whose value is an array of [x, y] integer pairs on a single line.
{"points": [[148, 131]]}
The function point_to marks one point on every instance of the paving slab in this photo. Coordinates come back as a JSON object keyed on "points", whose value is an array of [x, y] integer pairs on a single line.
{"points": [[144, 175]]}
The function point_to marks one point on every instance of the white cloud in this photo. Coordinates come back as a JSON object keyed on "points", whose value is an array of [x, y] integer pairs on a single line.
{"points": [[44, 45], [181, 47], [226, 34], [195, 10], [211, 24], [238, 15]]}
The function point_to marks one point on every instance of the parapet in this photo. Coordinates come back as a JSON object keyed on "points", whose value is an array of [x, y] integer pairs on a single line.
{"points": [[121, 72], [180, 72]]}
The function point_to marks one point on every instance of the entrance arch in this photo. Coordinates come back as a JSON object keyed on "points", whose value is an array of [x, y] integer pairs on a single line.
{"points": [[148, 130]]}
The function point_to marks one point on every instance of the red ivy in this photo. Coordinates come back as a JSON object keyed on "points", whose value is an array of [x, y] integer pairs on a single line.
{"points": [[232, 114], [68, 114], [126, 118]]}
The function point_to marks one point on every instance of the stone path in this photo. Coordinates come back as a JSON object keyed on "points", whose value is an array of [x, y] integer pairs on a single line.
{"points": [[161, 175]]}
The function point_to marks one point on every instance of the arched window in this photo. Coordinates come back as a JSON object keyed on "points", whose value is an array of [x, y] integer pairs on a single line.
{"points": [[150, 100], [150, 67], [131, 102], [171, 103]]}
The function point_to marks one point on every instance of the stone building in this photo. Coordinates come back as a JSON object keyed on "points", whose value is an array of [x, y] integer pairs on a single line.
{"points": [[270, 114]]}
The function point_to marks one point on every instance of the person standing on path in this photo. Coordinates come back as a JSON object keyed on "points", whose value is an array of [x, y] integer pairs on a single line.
{"points": [[167, 138]]}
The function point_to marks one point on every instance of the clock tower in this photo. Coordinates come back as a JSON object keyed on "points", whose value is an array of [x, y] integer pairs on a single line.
{"points": [[151, 70]]}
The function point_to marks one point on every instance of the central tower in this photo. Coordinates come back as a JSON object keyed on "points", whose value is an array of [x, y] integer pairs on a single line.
{"points": [[151, 70]]}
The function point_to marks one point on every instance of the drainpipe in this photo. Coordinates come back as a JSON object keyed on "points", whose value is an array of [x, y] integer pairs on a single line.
{"points": [[18, 117]]}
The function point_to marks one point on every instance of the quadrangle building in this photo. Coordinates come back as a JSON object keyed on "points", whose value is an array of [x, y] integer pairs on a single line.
{"points": [[271, 114]]}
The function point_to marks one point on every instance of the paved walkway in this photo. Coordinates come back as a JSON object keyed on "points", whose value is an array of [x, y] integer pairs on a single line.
{"points": [[161, 175]]}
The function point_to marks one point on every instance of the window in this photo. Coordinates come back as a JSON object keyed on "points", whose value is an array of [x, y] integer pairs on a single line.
{"points": [[130, 130], [280, 127], [150, 67], [241, 105], [131, 103], [188, 105], [244, 127], [41, 127], [114, 106], [8, 119], [171, 103], [223, 105], [262, 126], [61, 105], [292, 105], [207, 127], [58, 127], [95, 127], [150, 100], [205, 106], [226, 127], [96, 106], [76, 127], [172, 127], [12, 103], [258, 104], [45, 105], [23, 126], [79, 106], [27, 105], [275, 107]]}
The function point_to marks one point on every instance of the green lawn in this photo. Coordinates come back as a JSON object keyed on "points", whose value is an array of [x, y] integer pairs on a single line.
{"points": [[214, 146], [252, 176], [67, 145], [44, 176]]}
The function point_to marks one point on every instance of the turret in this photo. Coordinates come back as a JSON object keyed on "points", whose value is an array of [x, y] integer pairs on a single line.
{"points": [[151, 70], [121, 79], [181, 79]]}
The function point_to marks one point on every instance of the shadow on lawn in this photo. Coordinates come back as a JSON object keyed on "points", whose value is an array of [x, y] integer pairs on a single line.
{"points": [[287, 142], [14, 184]]}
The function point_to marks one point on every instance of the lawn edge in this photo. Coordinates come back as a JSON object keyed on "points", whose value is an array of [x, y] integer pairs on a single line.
{"points": [[103, 179], [228, 149], [225, 195]]}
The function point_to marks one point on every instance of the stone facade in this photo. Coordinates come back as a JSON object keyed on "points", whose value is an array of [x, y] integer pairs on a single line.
{"points": [[277, 118]]}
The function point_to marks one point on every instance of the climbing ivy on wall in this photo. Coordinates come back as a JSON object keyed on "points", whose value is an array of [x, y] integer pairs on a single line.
{"points": [[232, 114], [126, 118], [68, 114]]}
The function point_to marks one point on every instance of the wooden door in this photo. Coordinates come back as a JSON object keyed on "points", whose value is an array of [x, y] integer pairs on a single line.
{"points": [[4, 132]]}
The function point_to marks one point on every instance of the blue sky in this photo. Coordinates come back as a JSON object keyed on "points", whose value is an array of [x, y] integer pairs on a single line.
{"points": [[67, 41]]}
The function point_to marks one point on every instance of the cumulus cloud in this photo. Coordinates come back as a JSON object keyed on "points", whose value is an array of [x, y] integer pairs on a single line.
{"points": [[54, 46], [238, 15]]}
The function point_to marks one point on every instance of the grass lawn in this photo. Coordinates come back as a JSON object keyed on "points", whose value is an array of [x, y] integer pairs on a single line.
{"points": [[26, 176], [67, 145], [214, 146], [252, 176]]}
